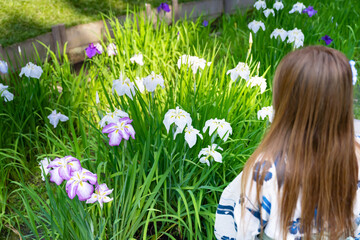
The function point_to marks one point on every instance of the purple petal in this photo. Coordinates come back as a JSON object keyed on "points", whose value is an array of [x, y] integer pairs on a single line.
{"points": [[54, 163], [130, 130], [55, 177], [91, 50], [75, 165], [91, 177], [205, 23], [109, 128], [92, 199], [159, 8], [165, 7], [84, 191], [71, 188], [115, 138], [65, 172], [126, 120]]}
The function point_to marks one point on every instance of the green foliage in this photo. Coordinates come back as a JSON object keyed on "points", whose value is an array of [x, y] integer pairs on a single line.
{"points": [[161, 190]]}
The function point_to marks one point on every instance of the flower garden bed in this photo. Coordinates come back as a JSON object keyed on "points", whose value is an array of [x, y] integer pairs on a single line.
{"points": [[153, 126]]}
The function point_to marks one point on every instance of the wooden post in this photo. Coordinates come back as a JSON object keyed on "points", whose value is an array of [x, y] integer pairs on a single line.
{"points": [[59, 37], [175, 8]]}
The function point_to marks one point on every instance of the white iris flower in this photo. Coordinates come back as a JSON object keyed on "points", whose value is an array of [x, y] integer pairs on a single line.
{"points": [[140, 84], [279, 32], [3, 67], [266, 111], [191, 135], [192, 61], [8, 96], [124, 86], [257, 81], [151, 81], [297, 37], [208, 152], [31, 70], [353, 71], [260, 4], [278, 5], [138, 58], [268, 11], [56, 117], [242, 70], [43, 164], [223, 128], [179, 117], [255, 26], [297, 7]]}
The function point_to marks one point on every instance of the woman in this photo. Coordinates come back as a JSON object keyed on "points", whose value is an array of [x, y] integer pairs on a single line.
{"points": [[302, 181]]}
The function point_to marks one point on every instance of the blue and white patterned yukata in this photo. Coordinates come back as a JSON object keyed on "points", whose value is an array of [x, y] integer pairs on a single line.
{"points": [[229, 225]]}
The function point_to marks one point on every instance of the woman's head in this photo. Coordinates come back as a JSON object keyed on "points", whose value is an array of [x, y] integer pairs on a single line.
{"points": [[312, 138], [312, 88]]}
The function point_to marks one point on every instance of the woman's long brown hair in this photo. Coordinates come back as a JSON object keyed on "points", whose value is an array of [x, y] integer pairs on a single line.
{"points": [[312, 138]]}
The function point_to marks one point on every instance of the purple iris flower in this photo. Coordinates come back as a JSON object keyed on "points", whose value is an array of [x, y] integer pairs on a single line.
{"points": [[91, 50], [205, 23], [81, 184], [118, 131], [63, 168], [163, 6], [100, 195], [327, 39], [310, 11]]}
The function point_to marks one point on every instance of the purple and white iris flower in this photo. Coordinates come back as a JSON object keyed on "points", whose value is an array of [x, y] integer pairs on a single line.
{"points": [[99, 48], [3, 67], [62, 168], [100, 195], [222, 127], [81, 184], [120, 130], [278, 5], [111, 49], [31, 71], [310, 11], [242, 70], [208, 152], [112, 117], [163, 6], [353, 71], [8, 96], [56, 117], [255, 26], [297, 7], [327, 39], [91, 50]]}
